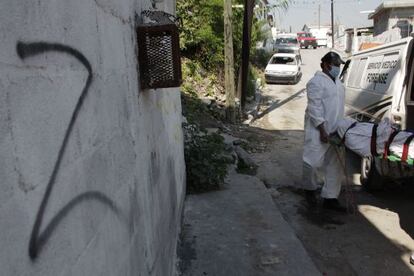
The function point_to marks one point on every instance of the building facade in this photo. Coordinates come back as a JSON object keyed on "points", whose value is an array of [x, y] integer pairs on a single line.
{"points": [[394, 15]]}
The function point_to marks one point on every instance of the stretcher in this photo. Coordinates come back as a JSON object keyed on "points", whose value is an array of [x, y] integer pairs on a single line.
{"points": [[391, 149]]}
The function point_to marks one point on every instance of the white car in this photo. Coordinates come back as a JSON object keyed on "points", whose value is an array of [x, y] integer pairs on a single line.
{"points": [[283, 68]]}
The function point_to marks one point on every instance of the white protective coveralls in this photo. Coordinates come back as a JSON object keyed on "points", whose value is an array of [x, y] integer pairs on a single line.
{"points": [[325, 105]]}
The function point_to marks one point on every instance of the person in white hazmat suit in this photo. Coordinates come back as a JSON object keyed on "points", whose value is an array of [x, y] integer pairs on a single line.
{"points": [[325, 108]]}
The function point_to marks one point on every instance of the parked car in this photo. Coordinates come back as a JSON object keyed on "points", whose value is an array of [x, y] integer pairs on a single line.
{"points": [[379, 83], [307, 40], [283, 68], [287, 44]]}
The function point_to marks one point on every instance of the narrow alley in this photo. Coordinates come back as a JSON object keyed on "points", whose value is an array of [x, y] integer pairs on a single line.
{"points": [[166, 137]]}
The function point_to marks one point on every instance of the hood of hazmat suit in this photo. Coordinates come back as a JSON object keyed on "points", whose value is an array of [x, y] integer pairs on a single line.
{"points": [[326, 100]]}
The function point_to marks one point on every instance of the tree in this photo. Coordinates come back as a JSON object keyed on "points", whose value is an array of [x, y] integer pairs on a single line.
{"points": [[247, 41], [201, 33], [229, 62]]}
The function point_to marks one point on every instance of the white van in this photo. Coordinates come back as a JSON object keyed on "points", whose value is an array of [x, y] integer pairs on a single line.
{"points": [[321, 36], [379, 83]]}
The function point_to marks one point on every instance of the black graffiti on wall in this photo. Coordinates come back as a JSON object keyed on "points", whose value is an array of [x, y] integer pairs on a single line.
{"points": [[37, 238]]}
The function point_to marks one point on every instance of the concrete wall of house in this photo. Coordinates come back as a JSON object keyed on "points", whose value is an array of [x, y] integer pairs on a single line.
{"points": [[401, 14], [381, 22], [387, 20], [115, 202]]}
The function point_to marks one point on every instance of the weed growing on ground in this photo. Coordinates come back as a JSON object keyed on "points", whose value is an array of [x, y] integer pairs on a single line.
{"points": [[205, 162]]}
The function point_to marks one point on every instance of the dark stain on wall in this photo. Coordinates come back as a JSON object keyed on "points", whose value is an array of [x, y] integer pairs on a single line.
{"points": [[172, 192], [154, 168]]}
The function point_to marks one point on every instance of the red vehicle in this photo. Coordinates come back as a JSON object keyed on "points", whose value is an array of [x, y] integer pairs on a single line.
{"points": [[306, 40]]}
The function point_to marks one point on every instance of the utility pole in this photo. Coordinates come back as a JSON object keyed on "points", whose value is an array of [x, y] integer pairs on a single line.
{"points": [[332, 24], [229, 62], [247, 27], [319, 16]]}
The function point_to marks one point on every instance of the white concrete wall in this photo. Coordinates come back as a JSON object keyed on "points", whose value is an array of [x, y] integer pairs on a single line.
{"points": [[381, 22], [401, 14], [388, 19], [115, 205]]}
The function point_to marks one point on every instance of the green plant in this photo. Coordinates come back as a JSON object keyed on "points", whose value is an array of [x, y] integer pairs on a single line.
{"points": [[202, 32], [201, 35], [206, 164], [251, 83], [261, 57], [254, 74], [191, 105]]}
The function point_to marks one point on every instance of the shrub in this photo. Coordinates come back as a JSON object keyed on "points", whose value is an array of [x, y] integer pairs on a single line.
{"points": [[206, 164], [260, 58]]}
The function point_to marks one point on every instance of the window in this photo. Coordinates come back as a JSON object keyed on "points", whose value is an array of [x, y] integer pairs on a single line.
{"points": [[380, 72], [285, 51], [412, 93], [411, 98], [286, 40], [371, 74], [356, 72], [387, 73], [344, 72], [283, 60], [405, 27]]}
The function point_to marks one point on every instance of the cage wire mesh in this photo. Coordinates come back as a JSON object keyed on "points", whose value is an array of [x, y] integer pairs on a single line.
{"points": [[159, 51]]}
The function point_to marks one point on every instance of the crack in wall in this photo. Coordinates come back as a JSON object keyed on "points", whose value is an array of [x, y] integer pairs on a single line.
{"points": [[22, 66], [22, 184], [113, 13]]}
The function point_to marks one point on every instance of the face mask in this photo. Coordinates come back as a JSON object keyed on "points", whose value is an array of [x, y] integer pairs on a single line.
{"points": [[334, 72]]}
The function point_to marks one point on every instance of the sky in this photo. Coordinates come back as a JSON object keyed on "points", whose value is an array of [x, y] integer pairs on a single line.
{"points": [[347, 12]]}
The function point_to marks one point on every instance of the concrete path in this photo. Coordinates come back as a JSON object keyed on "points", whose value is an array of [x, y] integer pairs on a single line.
{"points": [[240, 231]]}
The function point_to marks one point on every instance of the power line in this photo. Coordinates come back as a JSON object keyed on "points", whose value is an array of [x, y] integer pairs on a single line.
{"points": [[316, 2]]}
